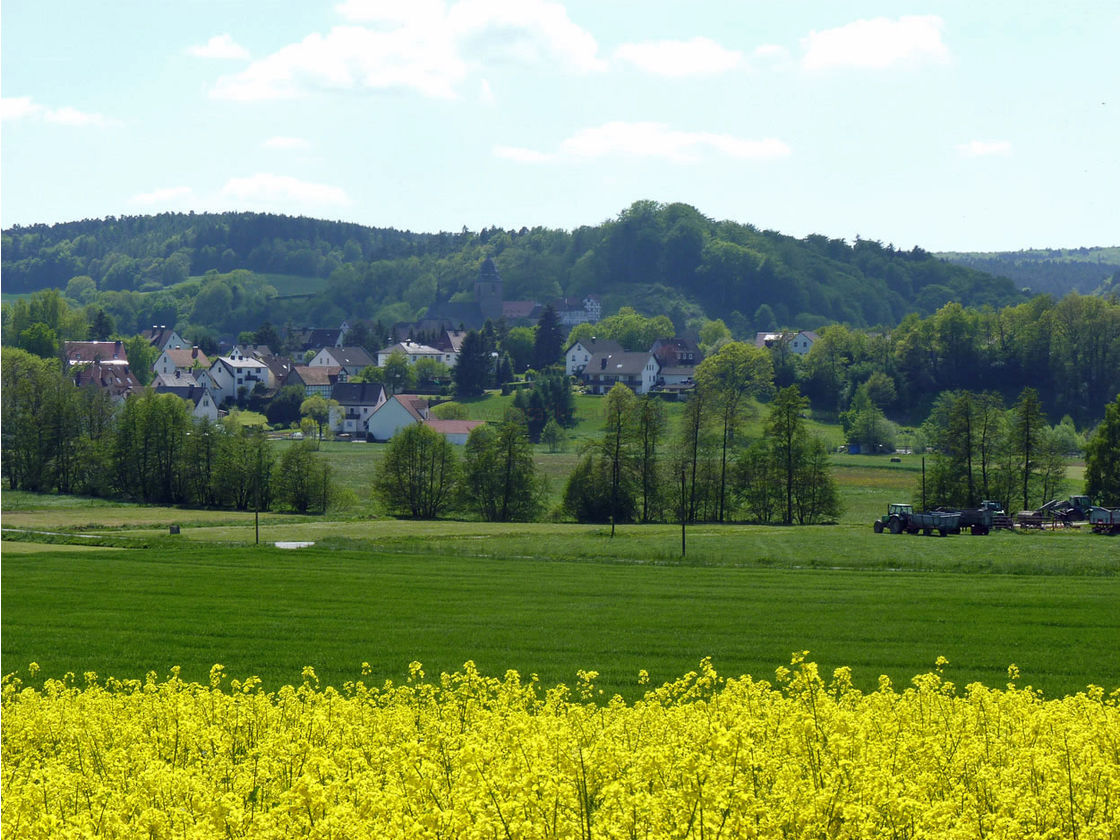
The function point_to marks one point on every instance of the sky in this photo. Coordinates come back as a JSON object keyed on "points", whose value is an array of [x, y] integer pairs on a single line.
{"points": [[964, 126]]}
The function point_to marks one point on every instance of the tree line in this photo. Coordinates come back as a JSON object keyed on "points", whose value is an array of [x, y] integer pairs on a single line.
{"points": [[57, 437]]}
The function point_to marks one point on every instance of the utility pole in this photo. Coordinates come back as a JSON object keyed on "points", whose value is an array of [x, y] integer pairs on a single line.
{"points": [[683, 517]]}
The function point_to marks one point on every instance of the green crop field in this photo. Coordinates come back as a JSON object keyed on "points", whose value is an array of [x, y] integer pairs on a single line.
{"points": [[544, 598]]}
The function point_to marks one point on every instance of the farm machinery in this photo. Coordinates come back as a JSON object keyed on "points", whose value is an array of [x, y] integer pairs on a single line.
{"points": [[901, 518], [1104, 520], [1063, 512]]}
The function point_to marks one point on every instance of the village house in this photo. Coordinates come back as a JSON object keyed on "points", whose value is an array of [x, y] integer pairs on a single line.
{"points": [[316, 380], [356, 402], [577, 356], [112, 377], [351, 359], [106, 352], [164, 338], [637, 371], [232, 377], [413, 352], [202, 402], [180, 360], [800, 342], [397, 412], [572, 311], [456, 431]]}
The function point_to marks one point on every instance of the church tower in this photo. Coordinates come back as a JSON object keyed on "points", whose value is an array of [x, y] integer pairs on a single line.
{"points": [[488, 291]]}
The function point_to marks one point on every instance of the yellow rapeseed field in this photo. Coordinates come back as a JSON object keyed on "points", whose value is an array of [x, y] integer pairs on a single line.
{"points": [[471, 756]]}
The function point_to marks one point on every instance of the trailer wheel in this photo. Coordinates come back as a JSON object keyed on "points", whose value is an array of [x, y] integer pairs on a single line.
{"points": [[926, 532], [878, 526], [979, 531], [941, 532], [896, 525]]}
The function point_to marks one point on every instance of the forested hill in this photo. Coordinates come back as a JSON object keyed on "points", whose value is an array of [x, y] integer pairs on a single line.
{"points": [[659, 258], [1052, 271]]}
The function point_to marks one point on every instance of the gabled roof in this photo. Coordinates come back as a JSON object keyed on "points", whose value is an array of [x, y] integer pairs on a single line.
{"points": [[451, 340], [350, 356], [178, 379], [187, 358], [194, 393], [321, 375], [256, 351], [515, 310], [358, 393], [414, 405], [454, 427], [280, 366], [617, 364], [412, 348], [158, 336], [117, 379], [77, 352]]}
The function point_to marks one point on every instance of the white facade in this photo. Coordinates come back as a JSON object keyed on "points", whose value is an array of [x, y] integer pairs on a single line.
{"points": [[393, 415], [413, 352], [227, 376]]}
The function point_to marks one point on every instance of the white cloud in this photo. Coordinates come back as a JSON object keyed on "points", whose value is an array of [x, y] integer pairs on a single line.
{"points": [[876, 44], [984, 148], [18, 107], [220, 46], [425, 47], [23, 107], [350, 58], [696, 57], [265, 189], [649, 140], [486, 94], [523, 32], [286, 144], [169, 195], [770, 52]]}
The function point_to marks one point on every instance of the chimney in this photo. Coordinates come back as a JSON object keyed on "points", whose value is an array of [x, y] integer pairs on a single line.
{"points": [[194, 352]]}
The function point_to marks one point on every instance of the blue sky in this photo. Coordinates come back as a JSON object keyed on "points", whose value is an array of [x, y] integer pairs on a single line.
{"points": [[950, 125]]}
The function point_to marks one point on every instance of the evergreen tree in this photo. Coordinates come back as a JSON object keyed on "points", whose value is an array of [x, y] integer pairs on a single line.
{"points": [[472, 371], [1027, 438], [548, 343]]}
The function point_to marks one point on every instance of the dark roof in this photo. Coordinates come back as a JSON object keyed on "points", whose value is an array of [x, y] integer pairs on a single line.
{"points": [[351, 356], [194, 393], [117, 379], [358, 393], [616, 364]]}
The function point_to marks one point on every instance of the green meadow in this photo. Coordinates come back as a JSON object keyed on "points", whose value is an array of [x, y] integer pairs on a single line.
{"points": [[544, 598]]}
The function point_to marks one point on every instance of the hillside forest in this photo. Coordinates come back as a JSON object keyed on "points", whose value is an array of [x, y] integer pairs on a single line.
{"points": [[896, 328]]}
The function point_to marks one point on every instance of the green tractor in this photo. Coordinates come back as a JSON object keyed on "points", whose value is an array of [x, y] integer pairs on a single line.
{"points": [[896, 519]]}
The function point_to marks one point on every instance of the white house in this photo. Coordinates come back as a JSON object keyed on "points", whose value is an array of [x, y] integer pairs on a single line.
{"points": [[202, 403], [456, 431], [356, 402], [228, 376], [180, 359], [413, 352], [577, 356], [351, 359], [800, 342], [637, 371], [572, 311], [164, 338], [394, 414]]}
